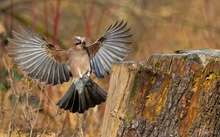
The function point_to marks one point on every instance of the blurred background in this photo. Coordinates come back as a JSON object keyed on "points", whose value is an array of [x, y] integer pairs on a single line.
{"points": [[28, 107]]}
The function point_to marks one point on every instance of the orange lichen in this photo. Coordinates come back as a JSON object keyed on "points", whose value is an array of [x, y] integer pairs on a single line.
{"points": [[208, 80], [161, 102], [155, 100], [195, 84]]}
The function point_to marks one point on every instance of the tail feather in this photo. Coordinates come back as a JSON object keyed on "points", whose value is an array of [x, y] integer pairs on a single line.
{"points": [[88, 98], [82, 94], [74, 103], [83, 106], [69, 96], [101, 96], [95, 97]]}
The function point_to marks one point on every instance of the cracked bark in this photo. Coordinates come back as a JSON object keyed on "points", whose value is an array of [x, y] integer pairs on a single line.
{"points": [[167, 95]]}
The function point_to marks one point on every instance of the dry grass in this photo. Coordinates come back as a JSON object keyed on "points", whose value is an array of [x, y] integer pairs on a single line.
{"points": [[28, 107]]}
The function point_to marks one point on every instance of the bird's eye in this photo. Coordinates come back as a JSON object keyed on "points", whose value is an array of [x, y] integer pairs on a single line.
{"points": [[50, 46], [77, 41]]}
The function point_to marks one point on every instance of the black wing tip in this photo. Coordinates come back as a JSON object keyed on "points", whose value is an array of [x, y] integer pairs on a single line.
{"points": [[20, 28], [9, 39], [13, 32], [129, 35], [123, 22], [116, 22], [109, 27], [119, 24], [8, 48], [30, 29]]}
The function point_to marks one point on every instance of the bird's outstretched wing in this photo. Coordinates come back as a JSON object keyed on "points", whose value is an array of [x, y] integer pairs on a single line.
{"points": [[112, 46], [39, 59]]}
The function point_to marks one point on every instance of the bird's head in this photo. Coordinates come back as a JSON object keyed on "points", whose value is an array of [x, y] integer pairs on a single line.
{"points": [[79, 40]]}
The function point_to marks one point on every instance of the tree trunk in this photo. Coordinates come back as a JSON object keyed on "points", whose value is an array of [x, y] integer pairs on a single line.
{"points": [[167, 95]]}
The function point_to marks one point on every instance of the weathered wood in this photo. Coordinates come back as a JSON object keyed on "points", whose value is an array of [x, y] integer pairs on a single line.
{"points": [[168, 95]]}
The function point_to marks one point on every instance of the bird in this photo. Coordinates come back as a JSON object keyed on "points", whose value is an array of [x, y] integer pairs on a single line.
{"points": [[52, 65]]}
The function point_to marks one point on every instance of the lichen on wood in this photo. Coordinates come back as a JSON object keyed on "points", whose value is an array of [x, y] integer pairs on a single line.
{"points": [[167, 95]]}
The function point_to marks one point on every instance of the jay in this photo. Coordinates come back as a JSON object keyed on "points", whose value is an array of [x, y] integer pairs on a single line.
{"points": [[52, 65]]}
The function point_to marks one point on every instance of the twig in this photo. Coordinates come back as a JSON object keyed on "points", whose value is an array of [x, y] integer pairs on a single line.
{"points": [[79, 126], [56, 21], [16, 102]]}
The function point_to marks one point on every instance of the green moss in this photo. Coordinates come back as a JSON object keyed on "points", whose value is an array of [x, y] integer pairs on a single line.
{"points": [[128, 114], [134, 87]]}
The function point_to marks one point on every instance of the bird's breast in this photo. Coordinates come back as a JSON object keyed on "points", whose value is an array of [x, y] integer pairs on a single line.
{"points": [[79, 62]]}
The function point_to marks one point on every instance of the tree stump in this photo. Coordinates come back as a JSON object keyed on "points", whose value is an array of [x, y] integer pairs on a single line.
{"points": [[167, 95]]}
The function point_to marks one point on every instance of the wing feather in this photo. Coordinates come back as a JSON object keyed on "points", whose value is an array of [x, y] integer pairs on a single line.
{"points": [[112, 46], [34, 55]]}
